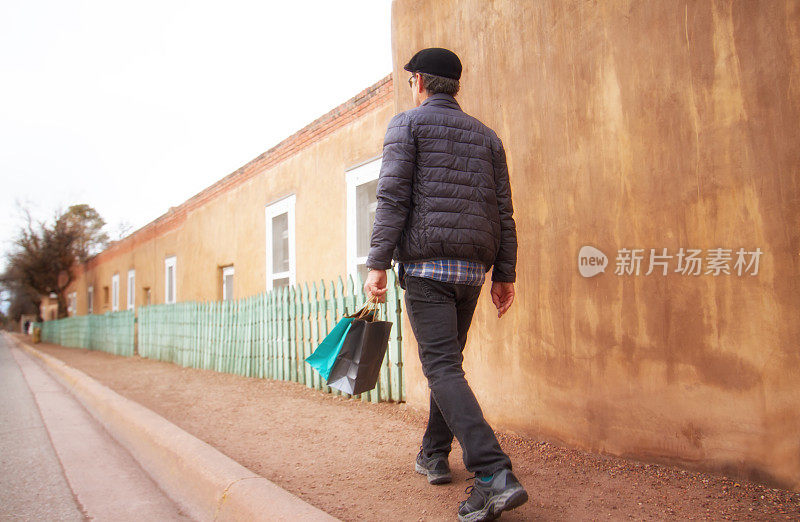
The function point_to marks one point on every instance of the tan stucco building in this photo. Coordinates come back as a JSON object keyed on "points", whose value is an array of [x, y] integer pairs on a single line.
{"points": [[655, 132], [293, 197]]}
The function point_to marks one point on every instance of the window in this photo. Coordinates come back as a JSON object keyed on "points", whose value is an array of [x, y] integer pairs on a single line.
{"points": [[362, 184], [280, 243], [115, 292], [170, 287], [131, 289], [105, 296], [227, 283], [90, 300], [147, 299], [72, 303]]}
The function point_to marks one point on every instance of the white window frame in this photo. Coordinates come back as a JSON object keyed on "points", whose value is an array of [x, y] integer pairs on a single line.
{"points": [[72, 299], [171, 261], [227, 271], [90, 300], [356, 176], [285, 205], [115, 293], [131, 292]]}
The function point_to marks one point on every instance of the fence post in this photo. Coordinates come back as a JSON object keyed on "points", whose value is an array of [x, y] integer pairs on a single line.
{"points": [[292, 326], [262, 328], [330, 322], [305, 334], [341, 309], [271, 335], [313, 321]]}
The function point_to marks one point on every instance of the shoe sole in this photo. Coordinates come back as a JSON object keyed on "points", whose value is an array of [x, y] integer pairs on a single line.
{"points": [[433, 478], [508, 500]]}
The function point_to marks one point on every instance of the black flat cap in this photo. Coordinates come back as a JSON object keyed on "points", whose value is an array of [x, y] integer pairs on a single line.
{"points": [[436, 61]]}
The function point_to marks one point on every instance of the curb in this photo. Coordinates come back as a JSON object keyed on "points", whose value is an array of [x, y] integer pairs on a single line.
{"points": [[199, 478]]}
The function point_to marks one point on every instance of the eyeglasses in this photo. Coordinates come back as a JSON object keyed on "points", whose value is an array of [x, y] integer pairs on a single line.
{"points": [[411, 80]]}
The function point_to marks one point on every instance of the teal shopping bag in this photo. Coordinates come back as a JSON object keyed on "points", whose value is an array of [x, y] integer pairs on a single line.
{"points": [[325, 355]]}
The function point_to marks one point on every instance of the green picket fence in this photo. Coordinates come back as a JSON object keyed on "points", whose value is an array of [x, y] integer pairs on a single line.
{"points": [[112, 332], [269, 335]]}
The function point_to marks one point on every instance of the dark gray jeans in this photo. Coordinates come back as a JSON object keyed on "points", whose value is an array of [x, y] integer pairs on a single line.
{"points": [[440, 315]]}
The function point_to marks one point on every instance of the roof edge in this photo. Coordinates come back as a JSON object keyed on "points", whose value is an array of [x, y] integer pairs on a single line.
{"points": [[357, 106]]}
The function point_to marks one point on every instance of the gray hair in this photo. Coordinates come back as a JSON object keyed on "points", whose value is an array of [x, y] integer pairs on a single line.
{"points": [[439, 84]]}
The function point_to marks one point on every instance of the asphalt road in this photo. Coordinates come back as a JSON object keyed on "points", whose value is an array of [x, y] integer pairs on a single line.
{"points": [[57, 462]]}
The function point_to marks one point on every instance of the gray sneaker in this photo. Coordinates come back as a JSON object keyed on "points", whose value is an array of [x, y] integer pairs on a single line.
{"points": [[435, 467], [487, 500]]}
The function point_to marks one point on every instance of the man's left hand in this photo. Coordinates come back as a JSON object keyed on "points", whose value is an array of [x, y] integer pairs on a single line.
{"points": [[376, 284]]}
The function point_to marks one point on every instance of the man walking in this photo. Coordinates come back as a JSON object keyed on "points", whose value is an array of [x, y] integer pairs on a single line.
{"points": [[445, 214]]}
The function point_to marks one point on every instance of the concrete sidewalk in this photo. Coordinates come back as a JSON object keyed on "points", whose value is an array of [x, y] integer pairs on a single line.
{"points": [[32, 482], [59, 463], [206, 484]]}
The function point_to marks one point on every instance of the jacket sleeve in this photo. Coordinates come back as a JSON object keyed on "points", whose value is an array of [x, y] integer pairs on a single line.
{"points": [[394, 191], [506, 261]]}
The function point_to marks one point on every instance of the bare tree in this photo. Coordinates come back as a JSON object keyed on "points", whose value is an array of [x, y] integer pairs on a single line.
{"points": [[86, 222], [122, 230], [45, 254]]}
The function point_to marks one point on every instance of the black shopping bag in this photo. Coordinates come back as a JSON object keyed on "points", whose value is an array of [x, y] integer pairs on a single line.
{"points": [[358, 364]]}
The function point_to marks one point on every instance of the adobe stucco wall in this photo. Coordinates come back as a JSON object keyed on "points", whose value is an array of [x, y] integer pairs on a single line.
{"points": [[637, 125], [225, 224]]}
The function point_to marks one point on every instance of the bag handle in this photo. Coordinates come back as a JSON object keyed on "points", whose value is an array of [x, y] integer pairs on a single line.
{"points": [[372, 305]]}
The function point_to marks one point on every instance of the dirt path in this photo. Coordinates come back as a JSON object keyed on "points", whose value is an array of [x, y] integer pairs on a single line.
{"points": [[355, 460]]}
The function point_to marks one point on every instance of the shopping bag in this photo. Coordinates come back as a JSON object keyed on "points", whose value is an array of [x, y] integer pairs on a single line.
{"points": [[358, 363], [324, 356]]}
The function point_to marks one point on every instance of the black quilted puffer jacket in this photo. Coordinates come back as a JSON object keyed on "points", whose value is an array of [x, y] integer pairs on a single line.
{"points": [[443, 192]]}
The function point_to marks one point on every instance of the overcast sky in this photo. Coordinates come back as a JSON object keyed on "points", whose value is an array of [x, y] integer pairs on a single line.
{"points": [[133, 107]]}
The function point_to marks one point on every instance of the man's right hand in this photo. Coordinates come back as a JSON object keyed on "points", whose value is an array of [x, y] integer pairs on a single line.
{"points": [[375, 285], [502, 296]]}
